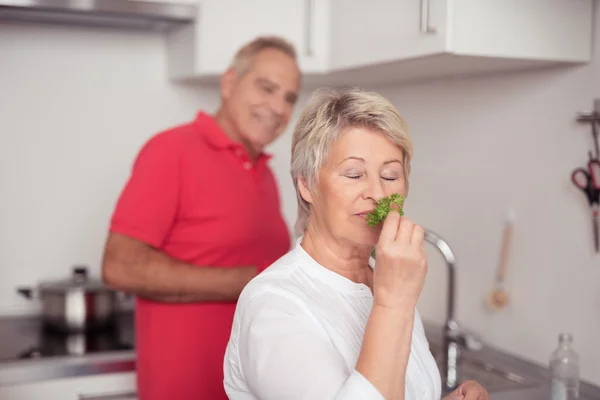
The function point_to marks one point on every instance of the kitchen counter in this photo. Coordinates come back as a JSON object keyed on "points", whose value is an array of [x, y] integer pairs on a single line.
{"points": [[21, 337], [537, 375], [29, 354]]}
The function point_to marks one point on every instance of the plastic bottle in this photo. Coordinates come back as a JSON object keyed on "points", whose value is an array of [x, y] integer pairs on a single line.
{"points": [[564, 370]]}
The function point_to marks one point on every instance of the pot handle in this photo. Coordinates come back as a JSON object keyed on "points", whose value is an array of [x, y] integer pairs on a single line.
{"points": [[25, 292], [122, 297], [80, 273]]}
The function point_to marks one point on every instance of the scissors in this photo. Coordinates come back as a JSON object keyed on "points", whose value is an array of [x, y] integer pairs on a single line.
{"points": [[588, 181]]}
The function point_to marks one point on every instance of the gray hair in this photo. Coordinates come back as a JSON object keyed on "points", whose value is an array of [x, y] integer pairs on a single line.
{"points": [[328, 114], [243, 58]]}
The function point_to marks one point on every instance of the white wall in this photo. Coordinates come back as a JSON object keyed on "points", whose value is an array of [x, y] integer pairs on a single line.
{"points": [[75, 106], [482, 146]]}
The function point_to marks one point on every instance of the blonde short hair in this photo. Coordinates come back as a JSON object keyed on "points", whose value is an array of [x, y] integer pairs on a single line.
{"points": [[327, 115], [243, 58]]}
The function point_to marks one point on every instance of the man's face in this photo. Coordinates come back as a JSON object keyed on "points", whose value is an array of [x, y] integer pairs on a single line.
{"points": [[261, 101]]}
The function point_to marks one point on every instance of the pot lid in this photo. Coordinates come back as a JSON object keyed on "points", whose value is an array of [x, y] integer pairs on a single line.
{"points": [[78, 280]]}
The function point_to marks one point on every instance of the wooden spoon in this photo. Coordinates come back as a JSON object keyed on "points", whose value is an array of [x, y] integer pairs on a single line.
{"points": [[498, 297]]}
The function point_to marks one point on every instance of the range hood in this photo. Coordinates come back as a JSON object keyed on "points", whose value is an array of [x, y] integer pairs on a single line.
{"points": [[129, 14]]}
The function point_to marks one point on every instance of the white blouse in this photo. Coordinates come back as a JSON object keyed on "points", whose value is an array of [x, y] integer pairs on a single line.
{"points": [[297, 334]]}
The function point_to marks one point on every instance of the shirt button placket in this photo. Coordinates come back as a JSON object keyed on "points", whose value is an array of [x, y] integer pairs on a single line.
{"points": [[247, 164]]}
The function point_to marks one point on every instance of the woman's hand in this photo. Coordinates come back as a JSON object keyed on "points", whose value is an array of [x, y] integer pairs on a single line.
{"points": [[469, 390], [401, 267]]}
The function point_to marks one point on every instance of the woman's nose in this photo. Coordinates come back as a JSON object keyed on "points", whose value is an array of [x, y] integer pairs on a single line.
{"points": [[374, 190]]}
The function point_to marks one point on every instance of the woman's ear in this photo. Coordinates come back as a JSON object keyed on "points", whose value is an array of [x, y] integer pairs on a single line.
{"points": [[304, 191]]}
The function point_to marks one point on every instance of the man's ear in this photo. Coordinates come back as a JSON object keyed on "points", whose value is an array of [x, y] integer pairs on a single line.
{"points": [[228, 80], [304, 191]]}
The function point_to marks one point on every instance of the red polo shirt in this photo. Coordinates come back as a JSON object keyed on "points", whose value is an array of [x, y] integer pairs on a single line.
{"points": [[195, 194]]}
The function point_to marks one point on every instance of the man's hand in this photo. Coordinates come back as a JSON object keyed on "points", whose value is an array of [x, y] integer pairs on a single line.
{"points": [[469, 390]]}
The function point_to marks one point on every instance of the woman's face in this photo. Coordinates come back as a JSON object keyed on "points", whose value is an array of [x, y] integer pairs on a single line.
{"points": [[362, 167]]}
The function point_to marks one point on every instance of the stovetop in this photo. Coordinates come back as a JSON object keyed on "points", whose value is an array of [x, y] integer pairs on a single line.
{"points": [[24, 337]]}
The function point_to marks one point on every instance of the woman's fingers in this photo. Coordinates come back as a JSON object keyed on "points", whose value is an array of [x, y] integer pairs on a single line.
{"points": [[405, 231], [417, 237], [389, 230], [472, 390], [401, 262]]}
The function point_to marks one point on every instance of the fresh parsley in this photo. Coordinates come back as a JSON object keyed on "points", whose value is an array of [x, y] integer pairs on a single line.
{"points": [[384, 206]]}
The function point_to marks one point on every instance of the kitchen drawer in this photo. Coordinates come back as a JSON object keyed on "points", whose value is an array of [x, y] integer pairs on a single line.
{"points": [[114, 386], [110, 396]]}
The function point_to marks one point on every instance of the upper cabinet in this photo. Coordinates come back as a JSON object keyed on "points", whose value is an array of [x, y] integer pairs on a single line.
{"points": [[352, 42], [204, 50], [391, 30], [409, 40]]}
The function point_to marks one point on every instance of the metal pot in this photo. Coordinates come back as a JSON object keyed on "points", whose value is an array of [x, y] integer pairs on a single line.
{"points": [[78, 304]]}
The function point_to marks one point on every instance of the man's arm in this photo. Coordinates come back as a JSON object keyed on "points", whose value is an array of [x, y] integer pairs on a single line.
{"points": [[133, 266]]}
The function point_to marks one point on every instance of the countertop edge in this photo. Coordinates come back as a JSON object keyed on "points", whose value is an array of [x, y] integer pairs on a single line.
{"points": [[36, 370], [28, 371]]}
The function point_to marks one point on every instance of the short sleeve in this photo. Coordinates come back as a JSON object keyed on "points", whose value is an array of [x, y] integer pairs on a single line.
{"points": [[284, 354], [147, 206]]}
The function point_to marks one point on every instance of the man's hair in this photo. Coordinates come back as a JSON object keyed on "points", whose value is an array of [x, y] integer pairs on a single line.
{"points": [[243, 58]]}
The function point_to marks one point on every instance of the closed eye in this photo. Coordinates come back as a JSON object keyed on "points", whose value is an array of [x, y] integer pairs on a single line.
{"points": [[359, 176]]}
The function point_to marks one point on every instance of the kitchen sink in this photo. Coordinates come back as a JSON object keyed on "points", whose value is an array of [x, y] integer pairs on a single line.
{"points": [[492, 377]]}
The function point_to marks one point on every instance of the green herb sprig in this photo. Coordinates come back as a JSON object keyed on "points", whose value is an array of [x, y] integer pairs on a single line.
{"points": [[384, 206]]}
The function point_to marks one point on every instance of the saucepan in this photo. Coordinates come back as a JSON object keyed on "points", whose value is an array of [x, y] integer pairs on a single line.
{"points": [[76, 304]]}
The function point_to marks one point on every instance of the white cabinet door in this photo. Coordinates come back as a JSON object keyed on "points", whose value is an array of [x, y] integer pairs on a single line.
{"points": [[396, 41], [544, 30], [380, 31], [207, 48], [117, 386], [409, 30]]}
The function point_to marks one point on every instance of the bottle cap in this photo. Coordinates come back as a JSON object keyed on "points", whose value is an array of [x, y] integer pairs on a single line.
{"points": [[565, 337]]}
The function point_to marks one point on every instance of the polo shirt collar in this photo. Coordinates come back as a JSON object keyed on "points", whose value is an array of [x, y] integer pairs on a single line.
{"points": [[215, 136]]}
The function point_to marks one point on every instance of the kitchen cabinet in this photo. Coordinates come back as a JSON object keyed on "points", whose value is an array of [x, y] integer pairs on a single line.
{"points": [[424, 39], [204, 50], [115, 386], [385, 41]]}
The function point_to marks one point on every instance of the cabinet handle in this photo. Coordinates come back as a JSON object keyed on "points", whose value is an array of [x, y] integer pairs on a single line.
{"points": [[309, 9], [425, 28], [109, 396]]}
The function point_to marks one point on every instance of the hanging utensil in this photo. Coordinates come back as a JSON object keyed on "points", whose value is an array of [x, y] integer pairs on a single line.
{"points": [[593, 119], [595, 137], [588, 181], [498, 297]]}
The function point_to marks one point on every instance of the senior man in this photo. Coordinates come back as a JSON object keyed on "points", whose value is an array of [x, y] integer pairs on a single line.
{"points": [[198, 218]]}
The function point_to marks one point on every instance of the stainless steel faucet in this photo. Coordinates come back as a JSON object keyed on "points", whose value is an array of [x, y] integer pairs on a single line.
{"points": [[454, 338]]}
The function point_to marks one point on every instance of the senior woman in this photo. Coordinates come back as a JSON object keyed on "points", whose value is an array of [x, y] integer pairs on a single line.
{"points": [[323, 322]]}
